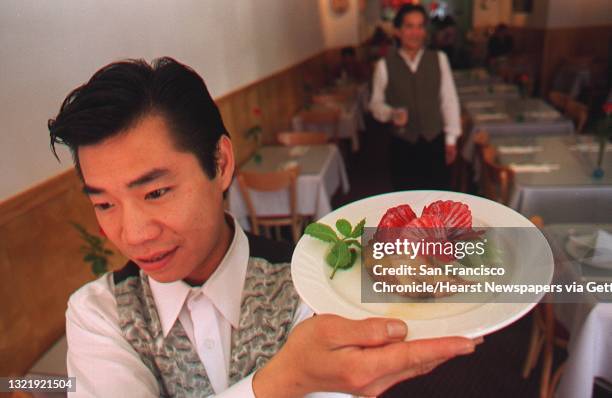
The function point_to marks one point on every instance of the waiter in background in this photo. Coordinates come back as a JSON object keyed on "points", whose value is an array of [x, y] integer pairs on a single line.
{"points": [[413, 88]]}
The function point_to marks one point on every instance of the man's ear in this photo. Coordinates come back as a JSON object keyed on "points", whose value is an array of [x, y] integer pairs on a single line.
{"points": [[225, 162]]}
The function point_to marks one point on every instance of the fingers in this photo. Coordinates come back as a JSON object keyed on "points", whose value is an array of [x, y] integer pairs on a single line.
{"points": [[398, 357], [341, 332]]}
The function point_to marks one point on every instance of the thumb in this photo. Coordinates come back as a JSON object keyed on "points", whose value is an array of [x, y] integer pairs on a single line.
{"points": [[369, 332]]}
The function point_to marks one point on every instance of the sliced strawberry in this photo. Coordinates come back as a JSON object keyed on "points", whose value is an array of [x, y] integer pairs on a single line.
{"points": [[426, 227], [452, 214], [397, 217]]}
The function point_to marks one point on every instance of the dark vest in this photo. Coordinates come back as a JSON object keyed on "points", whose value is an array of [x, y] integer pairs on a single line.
{"points": [[268, 305], [419, 92]]}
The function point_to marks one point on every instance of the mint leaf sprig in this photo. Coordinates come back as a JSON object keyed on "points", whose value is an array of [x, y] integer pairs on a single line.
{"points": [[342, 254]]}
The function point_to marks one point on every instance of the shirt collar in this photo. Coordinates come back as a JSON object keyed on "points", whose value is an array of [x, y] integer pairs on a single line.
{"points": [[223, 288], [406, 58]]}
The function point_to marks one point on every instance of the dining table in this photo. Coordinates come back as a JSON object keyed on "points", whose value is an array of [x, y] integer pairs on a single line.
{"points": [[554, 177], [321, 174], [583, 254], [466, 77], [487, 91], [527, 117]]}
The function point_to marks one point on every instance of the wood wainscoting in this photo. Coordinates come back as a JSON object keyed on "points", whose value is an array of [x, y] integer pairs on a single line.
{"points": [[40, 254], [550, 48], [42, 264]]}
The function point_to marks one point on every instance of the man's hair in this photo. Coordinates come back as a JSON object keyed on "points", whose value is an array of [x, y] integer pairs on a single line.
{"points": [[398, 21], [120, 94]]}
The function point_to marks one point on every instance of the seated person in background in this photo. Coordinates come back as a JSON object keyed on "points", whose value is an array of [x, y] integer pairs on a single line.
{"points": [[445, 36], [379, 44], [349, 69], [500, 43], [201, 308]]}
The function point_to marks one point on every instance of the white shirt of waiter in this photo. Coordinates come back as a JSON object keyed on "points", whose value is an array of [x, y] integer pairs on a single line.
{"points": [[449, 102], [106, 365]]}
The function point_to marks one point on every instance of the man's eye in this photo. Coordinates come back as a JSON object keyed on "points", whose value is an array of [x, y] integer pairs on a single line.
{"points": [[158, 193], [102, 206]]}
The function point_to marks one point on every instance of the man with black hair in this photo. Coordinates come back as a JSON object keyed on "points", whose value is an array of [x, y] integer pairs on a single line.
{"points": [[189, 315], [413, 88]]}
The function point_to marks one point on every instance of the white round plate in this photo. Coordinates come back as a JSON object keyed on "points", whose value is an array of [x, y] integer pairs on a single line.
{"points": [[342, 295]]}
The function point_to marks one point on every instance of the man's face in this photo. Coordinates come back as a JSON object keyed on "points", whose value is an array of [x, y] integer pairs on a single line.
{"points": [[412, 33], [155, 203]]}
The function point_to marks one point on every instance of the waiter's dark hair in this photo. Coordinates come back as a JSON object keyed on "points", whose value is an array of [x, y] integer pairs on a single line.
{"points": [[122, 93], [407, 9]]}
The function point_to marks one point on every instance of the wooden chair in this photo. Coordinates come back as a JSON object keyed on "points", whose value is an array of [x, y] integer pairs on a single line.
{"points": [[495, 179], [332, 99], [313, 119], [543, 341], [558, 100], [293, 138], [270, 182], [579, 114]]}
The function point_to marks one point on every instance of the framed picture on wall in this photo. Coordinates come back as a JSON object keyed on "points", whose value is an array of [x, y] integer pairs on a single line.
{"points": [[522, 6]]}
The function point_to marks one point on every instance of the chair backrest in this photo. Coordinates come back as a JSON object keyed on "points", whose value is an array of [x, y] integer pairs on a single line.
{"points": [[481, 138], [496, 180], [292, 138], [334, 99], [579, 114], [558, 100], [268, 182], [321, 116]]}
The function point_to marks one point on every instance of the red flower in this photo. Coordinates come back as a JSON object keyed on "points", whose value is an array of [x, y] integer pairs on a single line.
{"points": [[433, 6], [607, 108], [257, 111], [524, 78]]}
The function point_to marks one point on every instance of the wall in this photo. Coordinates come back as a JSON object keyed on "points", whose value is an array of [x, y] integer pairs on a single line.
{"points": [[340, 30], [573, 13], [47, 48]]}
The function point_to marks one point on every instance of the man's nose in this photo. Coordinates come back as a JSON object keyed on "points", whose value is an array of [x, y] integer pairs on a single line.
{"points": [[138, 225]]}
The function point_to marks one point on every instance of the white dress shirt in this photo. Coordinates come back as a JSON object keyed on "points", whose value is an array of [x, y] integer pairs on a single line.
{"points": [[106, 365], [449, 102]]}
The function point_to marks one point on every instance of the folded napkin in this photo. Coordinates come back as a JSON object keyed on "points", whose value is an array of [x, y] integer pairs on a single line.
{"points": [[298, 151], [490, 117], [503, 88], [471, 89], [533, 167], [518, 149], [288, 165], [589, 147], [480, 104], [546, 115]]}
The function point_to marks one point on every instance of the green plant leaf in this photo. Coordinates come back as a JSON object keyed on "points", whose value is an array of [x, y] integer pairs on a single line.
{"points": [[338, 257], [322, 232], [99, 268], [353, 242], [90, 257], [358, 230], [344, 227]]}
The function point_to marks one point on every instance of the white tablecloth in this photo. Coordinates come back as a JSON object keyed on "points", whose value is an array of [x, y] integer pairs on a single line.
{"points": [[322, 172], [567, 194], [589, 322], [590, 354]]}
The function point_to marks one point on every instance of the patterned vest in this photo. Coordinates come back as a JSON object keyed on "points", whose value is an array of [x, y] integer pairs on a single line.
{"points": [[419, 92], [268, 305]]}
